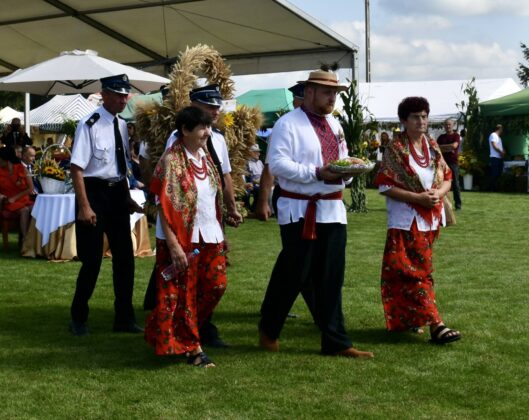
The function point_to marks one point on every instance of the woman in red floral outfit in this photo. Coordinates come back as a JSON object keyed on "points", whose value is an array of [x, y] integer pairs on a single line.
{"points": [[190, 194], [414, 178], [15, 188]]}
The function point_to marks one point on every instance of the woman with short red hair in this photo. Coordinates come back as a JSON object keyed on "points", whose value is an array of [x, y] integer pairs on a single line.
{"points": [[414, 178]]}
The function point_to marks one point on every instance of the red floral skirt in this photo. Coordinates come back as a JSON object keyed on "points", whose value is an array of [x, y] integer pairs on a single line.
{"points": [[407, 284], [187, 301]]}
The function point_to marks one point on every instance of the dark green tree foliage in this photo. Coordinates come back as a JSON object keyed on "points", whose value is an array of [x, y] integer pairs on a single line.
{"points": [[470, 114], [523, 71], [13, 99], [16, 100], [68, 127]]}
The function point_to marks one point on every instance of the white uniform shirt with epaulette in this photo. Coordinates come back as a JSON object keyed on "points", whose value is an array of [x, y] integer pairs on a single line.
{"points": [[94, 149]]}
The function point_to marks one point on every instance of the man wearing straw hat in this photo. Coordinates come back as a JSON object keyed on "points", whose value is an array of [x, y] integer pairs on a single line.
{"points": [[312, 217]]}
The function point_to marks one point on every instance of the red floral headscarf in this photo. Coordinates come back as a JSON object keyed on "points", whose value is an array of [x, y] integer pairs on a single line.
{"points": [[174, 183]]}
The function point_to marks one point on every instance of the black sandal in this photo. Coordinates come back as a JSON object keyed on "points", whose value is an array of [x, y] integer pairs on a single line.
{"points": [[200, 360], [443, 335]]}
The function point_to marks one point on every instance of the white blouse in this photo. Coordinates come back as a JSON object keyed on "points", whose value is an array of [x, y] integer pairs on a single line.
{"points": [[400, 214], [206, 225]]}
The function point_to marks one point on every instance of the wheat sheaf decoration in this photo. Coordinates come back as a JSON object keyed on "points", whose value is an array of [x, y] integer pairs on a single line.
{"points": [[240, 131], [155, 122]]}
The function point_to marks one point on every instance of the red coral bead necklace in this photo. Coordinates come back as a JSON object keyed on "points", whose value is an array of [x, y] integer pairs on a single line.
{"points": [[424, 160], [201, 172]]}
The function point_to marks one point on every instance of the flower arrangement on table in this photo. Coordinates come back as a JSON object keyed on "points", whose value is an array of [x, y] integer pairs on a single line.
{"points": [[52, 169], [470, 164], [49, 168]]}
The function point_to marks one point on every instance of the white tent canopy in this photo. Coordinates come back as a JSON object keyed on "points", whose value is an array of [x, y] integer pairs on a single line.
{"points": [[60, 108], [255, 36], [76, 72], [8, 113], [382, 99]]}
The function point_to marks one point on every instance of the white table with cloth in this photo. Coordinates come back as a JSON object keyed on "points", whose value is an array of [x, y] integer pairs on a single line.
{"points": [[51, 232]]}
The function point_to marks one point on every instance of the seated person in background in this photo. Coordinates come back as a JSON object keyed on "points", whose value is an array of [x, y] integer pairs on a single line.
{"points": [[18, 151], [254, 167], [131, 129], [133, 170], [28, 160], [135, 162], [15, 188]]}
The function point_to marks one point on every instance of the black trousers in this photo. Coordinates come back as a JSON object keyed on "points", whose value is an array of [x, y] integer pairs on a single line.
{"points": [[496, 169], [110, 204], [321, 263], [456, 190]]}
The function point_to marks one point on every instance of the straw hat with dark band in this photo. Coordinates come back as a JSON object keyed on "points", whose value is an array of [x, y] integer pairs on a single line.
{"points": [[324, 78]]}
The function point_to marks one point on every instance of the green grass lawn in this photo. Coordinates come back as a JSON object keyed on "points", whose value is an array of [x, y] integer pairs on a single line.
{"points": [[482, 273]]}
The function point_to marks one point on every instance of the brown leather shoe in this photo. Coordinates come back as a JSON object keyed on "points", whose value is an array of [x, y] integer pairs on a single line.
{"points": [[352, 352], [267, 343]]}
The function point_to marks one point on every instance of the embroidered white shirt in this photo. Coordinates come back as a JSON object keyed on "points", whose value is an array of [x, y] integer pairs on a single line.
{"points": [[294, 154]]}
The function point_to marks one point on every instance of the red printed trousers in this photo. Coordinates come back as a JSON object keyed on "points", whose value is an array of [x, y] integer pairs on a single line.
{"points": [[187, 301]]}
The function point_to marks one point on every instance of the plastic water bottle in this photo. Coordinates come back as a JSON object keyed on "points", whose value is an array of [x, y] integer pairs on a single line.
{"points": [[170, 272]]}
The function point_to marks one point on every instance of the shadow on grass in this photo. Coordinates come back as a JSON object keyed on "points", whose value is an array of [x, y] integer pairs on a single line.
{"points": [[383, 336], [37, 337]]}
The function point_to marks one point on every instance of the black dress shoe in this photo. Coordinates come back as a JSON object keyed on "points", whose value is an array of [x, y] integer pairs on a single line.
{"points": [[131, 327], [78, 328]]}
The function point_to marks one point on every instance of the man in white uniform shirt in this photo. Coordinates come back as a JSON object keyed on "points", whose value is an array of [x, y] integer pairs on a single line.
{"points": [[103, 206], [312, 218]]}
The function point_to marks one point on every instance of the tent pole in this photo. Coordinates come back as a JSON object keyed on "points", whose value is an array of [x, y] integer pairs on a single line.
{"points": [[354, 66], [26, 114], [368, 42]]}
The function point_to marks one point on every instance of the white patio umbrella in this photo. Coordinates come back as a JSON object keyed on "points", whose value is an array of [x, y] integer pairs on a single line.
{"points": [[76, 72]]}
